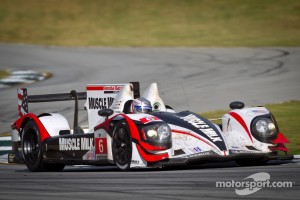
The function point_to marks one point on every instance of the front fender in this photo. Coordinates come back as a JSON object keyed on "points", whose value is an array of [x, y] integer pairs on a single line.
{"points": [[142, 150]]}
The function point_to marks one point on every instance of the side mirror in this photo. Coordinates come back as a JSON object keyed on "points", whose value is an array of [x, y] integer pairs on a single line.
{"points": [[236, 105], [105, 112]]}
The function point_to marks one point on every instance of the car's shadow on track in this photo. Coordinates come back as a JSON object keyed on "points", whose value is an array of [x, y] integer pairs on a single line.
{"points": [[104, 169], [230, 164]]}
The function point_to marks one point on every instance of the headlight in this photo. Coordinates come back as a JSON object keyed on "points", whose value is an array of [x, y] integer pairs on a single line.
{"points": [[152, 133], [158, 133], [264, 127], [163, 132]]}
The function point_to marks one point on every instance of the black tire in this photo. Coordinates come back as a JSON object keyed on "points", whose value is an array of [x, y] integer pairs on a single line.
{"points": [[32, 150], [32, 147], [251, 161], [121, 146]]}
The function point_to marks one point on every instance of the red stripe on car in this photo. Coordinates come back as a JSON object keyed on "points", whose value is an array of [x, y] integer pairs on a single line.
{"points": [[133, 129], [150, 147], [242, 122], [151, 157], [94, 88]]}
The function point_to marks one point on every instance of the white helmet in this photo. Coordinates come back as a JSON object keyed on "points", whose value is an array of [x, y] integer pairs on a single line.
{"points": [[140, 105]]}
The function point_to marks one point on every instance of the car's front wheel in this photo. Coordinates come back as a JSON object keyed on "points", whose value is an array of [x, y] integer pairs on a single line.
{"points": [[121, 146]]}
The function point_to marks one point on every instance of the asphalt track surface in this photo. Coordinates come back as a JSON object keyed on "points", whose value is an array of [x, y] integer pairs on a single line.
{"points": [[198, 79], [91, 182]]}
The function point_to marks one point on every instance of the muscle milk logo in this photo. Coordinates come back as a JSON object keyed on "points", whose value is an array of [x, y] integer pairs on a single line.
{"points": [[100, 103], [72, 144], [202, 126]]}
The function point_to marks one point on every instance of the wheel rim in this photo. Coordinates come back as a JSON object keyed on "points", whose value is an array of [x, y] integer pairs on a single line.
{"points": [[31, 146], [122, 146]]}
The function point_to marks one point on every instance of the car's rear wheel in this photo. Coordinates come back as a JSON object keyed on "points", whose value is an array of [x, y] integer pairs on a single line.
{"points": [[32, 147], [33, 152], [121, 146]]}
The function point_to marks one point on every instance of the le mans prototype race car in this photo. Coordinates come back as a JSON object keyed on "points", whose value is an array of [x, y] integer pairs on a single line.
{"points": [[163, 137]]}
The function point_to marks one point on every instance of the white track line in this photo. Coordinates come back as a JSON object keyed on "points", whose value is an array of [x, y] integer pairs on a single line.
{"points": [[5, 148], [8, 138]]}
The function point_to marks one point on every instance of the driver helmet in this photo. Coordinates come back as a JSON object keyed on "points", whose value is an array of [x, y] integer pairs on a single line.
{"points": [[141, 105]]}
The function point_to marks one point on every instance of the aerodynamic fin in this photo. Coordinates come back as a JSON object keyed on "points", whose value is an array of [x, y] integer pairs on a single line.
{"points": [[151, 93]]}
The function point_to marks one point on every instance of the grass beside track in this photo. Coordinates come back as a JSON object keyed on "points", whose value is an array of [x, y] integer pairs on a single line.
{"points": [[151, 23], [287, 116], [3, 74]]}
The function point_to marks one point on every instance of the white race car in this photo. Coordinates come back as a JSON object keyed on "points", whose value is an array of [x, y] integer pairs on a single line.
{"points": [[117, 136]]}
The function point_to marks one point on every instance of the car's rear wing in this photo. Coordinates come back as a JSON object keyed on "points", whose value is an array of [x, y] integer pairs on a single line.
{"points": [[57, 97], [24, 99], [92, 90]]}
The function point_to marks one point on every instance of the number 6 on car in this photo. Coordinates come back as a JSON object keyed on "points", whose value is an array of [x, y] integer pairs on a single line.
{"points": [[101, 146]]}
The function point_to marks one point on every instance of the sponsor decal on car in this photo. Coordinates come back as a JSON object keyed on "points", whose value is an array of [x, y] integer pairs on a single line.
{"points": [[202, 126], [204, 153], [113, 87], [179, 136], [104, 87], [197, 149], [90, 155], [100, 103], [260, 111], [75, 144], [136, 162], [146, 120]]}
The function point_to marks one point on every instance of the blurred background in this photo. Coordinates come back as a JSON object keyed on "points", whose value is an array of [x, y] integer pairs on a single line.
{"points": [[191, 23]]}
